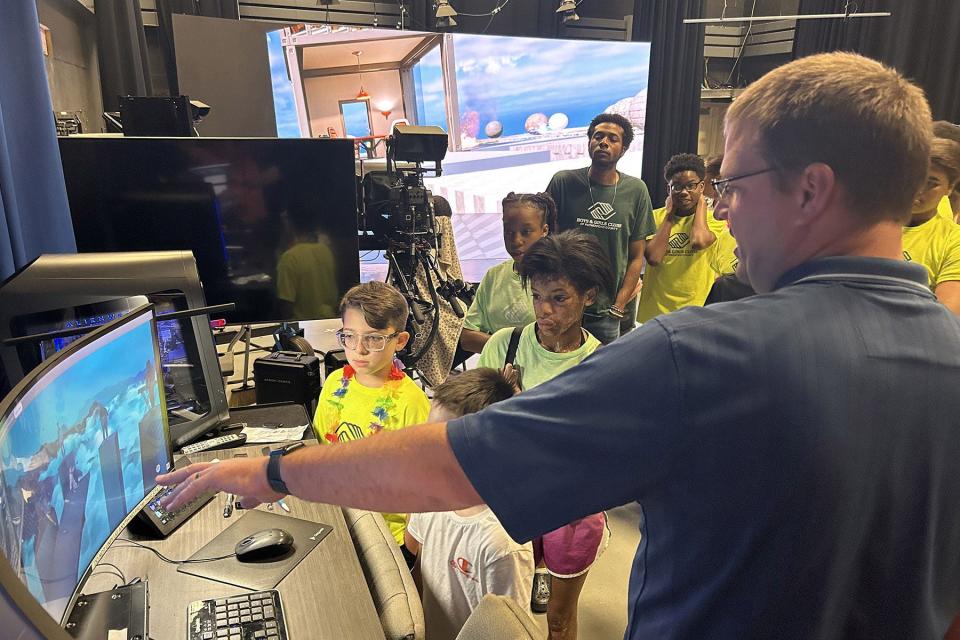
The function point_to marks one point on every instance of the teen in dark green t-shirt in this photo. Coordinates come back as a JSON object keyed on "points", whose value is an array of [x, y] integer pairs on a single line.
{"points": [[613, 207]]}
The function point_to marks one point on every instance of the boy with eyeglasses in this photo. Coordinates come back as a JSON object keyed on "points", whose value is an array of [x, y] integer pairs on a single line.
{"points": [[371, 393], [930, 239], [679, 266]]}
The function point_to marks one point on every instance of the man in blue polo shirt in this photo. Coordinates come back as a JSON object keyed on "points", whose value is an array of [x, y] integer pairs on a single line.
{"points": [[795, 452]]}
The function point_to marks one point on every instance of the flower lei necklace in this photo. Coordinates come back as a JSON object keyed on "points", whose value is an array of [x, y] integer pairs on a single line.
{"points": [[382, 406]]}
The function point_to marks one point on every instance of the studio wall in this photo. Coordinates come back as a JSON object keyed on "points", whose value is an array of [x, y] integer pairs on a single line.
{"points": [[72, 66], [224, 64]]}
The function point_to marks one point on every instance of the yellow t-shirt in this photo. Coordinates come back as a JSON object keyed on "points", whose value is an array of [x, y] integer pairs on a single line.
{"points": [[944, 210], [936, 245], [684, 277], [723, 260], [352, 411], [306, 276]]}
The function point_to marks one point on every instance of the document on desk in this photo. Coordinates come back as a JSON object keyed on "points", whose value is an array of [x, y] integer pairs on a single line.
{"points": [[283, 434]]}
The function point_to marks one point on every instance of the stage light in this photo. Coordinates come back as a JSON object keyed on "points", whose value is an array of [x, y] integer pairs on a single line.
{"points": [[198, 110], [568, 8], [445, 15]]}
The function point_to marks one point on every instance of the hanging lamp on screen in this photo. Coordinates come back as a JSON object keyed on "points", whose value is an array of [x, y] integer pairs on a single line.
{"points": [[362, 94]]}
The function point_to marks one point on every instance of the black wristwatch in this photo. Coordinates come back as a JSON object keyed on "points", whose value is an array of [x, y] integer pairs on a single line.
{"points": [[273, 468]]}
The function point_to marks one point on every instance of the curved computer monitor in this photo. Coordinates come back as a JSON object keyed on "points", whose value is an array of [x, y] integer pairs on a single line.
{"points": [[21, 614], [82, 438], [63, 291]]}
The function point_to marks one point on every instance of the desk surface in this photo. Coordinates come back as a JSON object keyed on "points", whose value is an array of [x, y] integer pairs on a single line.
{"points": [[325, 596]]}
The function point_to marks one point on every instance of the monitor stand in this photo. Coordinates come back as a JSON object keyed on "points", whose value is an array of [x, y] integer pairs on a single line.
{"points": [[111, 614]]}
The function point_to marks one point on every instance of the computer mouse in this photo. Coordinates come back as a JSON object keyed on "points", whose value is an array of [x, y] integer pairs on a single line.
{"points": [[269, 544]]}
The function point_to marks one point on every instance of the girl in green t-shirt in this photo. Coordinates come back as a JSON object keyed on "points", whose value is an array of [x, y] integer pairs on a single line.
{"points": [[501, 301], [564, 273]]}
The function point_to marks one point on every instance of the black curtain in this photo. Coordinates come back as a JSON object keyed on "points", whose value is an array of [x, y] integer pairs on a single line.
{"points": [[532, 18], [676, 73], [122, 52], [165, 10], [921, 40]]}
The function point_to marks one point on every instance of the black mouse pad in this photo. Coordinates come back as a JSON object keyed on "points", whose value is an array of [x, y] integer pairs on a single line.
{"points": [[260, 574]]}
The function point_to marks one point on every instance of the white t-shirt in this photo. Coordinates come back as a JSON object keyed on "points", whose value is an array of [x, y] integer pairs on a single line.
{"points": [[463, 558]]}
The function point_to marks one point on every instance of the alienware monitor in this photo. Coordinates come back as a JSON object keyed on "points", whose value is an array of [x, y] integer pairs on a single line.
{"points": [[66, 291], [82, 438]]}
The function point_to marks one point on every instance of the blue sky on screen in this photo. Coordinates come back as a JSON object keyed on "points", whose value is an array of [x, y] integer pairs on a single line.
{"points": [[284, 108], [428, 79], [356, 117], [507, 79], [68, 398]]}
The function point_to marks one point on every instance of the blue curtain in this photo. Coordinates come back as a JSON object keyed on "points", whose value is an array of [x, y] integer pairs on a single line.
{"points": [[34, 214]]}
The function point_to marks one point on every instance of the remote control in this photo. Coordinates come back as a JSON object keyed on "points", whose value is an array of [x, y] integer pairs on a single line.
{"points": [[231, 439]]}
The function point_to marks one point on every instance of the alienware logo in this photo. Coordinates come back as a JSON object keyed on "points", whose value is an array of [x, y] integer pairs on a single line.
{"points": [[602, 211], [679, 240]]}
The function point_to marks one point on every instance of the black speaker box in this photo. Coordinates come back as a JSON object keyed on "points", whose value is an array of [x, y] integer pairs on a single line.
{"points": [[288, 376]]}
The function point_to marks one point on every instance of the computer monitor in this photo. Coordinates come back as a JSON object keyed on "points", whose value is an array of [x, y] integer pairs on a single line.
{"points": [[82, 438], [272, 223], [62, 291], [21, 613], [156, 115]]}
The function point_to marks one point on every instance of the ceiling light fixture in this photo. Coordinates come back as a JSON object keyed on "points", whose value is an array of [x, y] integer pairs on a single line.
{"points": [[568, 9], [445, 14], [362, 94]]}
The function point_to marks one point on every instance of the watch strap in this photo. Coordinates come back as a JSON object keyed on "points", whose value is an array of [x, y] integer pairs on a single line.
{"points": [[273, 468]]}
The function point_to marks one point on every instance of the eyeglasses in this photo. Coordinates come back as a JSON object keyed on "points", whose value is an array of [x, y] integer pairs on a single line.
{"points": [[722, 185], [371, 341], [678, 188]]}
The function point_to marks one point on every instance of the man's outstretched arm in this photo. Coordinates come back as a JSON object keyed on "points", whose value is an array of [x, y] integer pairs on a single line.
{"points": [[411, 470]]}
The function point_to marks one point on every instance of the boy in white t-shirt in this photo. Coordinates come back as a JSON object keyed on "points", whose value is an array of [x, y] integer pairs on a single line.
{"points": [[464, 555]]}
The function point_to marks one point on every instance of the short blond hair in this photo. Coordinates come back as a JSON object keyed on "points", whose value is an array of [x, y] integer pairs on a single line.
{"points": [[868, 123], [382, 306]]}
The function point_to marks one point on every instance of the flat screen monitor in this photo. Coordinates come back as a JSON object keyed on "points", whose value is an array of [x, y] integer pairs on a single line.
{"points": [[82, 438], [272, 223]]}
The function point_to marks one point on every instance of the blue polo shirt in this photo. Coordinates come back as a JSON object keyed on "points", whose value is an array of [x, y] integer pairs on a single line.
{"points": [[796, 455]]}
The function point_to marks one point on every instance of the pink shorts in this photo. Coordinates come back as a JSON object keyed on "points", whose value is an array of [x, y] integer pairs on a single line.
{"points": [[572, 549]]}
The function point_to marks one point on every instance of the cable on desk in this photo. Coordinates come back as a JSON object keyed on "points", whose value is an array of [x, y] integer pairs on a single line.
{"points": [[134, 544], [117, 570], [109, 572]]}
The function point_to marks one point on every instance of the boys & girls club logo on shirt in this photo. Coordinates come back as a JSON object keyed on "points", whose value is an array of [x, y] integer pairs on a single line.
{"points": [[679, 240], [602, 211]]}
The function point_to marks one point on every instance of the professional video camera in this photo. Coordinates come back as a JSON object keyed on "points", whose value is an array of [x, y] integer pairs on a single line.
{"points": [[400, 216]]}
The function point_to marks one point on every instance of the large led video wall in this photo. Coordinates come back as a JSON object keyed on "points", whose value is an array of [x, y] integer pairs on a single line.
{"points": [[516, 109]]}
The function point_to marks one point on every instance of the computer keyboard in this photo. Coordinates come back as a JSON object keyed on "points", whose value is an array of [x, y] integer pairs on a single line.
{"points": [[252, 616]]}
